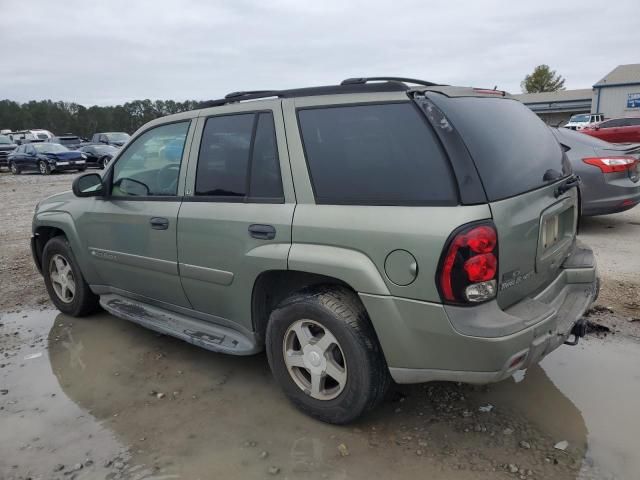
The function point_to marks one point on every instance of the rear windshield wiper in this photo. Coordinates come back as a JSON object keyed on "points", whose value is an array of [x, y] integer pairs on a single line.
{"points": [[571, 182]]}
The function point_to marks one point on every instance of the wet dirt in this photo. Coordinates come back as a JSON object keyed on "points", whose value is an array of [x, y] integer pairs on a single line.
{"points": [[103, 398]]}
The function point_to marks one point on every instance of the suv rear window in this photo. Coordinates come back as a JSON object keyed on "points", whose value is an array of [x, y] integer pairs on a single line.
{"points": [[383, 154], [511, 147]]}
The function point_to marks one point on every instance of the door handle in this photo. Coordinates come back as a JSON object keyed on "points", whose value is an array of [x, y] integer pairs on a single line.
{"points": [[159, 223], [262, 232]]}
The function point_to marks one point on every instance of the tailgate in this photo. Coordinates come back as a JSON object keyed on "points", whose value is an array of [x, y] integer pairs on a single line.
{"points": [[536, 233]]}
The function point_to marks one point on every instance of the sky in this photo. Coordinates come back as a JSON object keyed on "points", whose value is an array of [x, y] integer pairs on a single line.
{"points": [[113, 51]]}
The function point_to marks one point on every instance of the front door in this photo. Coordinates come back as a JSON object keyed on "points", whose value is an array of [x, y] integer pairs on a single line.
{"points": [[131, 234], [235, 220]]}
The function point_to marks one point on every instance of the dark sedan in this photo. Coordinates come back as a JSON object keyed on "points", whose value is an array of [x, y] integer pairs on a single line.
{"points": [[6, 147], [610, 173], [98, 155], [45, 158]]}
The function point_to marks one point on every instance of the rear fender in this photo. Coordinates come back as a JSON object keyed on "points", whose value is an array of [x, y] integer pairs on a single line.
{"points": [[352, 267]]}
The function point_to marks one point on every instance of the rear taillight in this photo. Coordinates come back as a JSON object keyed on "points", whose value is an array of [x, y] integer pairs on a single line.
{"points": [[469, 265], [612, 164]]}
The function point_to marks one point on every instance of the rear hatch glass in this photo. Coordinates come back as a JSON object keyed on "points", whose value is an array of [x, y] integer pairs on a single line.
{"points": [[521, 165], [512, 150]]}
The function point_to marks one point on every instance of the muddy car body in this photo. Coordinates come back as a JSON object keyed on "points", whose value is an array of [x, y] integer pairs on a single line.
{"points": [[358, 233]]}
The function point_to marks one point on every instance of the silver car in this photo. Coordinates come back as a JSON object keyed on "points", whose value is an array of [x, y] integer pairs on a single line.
{"points": [[610, 172]]}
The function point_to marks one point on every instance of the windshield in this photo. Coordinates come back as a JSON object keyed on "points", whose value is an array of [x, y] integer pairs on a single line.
{"points": [[118, 137], [512, 148], [4, 140], [579, 118], [50, 148]]}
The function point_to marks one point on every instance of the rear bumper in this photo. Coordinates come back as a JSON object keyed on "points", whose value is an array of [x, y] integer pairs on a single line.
{"points": [[612, 205], [605, 195], [424, 342]]}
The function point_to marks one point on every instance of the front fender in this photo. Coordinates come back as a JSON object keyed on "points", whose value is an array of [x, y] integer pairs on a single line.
{"points": [[64, 221], [350, 266]]}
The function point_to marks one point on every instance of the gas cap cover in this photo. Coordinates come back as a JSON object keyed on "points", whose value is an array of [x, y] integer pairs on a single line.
{"points": [[401, 267]]}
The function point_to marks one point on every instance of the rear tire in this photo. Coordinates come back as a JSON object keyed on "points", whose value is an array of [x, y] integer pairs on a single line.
{"points": [[14, 168], [44, 168], [64, 281], [351, 375]]}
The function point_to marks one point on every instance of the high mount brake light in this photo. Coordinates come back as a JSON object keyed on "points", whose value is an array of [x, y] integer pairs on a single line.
{"points": [[612, 164], [469, 265]]}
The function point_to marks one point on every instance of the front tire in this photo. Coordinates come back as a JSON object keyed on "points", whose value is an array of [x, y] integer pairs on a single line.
{"points": [[44, 168], [14, 168], [64, 281], [324, 354]]}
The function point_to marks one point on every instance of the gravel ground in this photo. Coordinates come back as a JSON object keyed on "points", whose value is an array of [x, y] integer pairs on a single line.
{"points": [[104, 398]]}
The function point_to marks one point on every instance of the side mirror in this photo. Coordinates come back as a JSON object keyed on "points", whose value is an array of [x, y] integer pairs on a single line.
{"points": [[88, 185]]}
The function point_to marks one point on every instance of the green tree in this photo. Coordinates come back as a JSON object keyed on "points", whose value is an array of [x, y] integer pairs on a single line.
{"points": [[543, 79]]}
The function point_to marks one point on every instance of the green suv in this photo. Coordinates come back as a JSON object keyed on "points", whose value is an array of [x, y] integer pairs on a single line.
{"points": [[358, 233]]}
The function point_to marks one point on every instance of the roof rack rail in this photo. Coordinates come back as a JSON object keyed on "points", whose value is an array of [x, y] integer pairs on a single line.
{"points": [[249, 92], [352, 81], [351, 86]]}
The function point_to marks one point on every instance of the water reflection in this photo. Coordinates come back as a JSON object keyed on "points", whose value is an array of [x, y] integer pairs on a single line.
{"points": [[191, 412]]}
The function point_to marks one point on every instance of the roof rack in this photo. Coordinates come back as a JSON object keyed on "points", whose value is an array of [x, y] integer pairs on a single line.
{"points": [[403, 80], [350, 85]]}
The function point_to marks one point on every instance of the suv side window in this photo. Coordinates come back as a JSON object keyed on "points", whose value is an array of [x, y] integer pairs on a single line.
{"points": [[151, 163], [238, 159], [383, 154]]}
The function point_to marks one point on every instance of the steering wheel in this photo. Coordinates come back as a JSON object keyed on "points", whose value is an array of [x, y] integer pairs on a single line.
{"points": [[167, 179]]}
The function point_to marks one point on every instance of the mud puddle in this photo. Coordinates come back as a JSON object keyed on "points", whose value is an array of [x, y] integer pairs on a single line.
{"points": [[103, 398]]}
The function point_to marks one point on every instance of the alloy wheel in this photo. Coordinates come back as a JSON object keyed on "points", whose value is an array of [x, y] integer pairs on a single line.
{"points": [[314, 359], [62, 279]]}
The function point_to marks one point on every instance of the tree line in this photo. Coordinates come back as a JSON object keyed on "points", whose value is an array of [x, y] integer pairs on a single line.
{"points": [[68, 117]]}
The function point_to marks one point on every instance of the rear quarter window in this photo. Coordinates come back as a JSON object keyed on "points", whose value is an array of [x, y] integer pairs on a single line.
{"points": [[382, 154], [511, 147]]}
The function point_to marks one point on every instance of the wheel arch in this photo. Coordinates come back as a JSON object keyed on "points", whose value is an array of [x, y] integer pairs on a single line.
{"points": [[51, 224], [273, 286]]}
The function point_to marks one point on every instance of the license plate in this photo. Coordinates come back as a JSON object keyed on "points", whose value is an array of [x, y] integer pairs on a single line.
{"points": [[550, 231], [62, 163], [80, 162]]}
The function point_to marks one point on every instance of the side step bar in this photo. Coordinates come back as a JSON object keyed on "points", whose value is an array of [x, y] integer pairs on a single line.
{"points": [[198, 332]]}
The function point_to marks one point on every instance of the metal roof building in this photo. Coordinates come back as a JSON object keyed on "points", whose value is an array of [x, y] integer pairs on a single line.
{"points": [[617, 94]]}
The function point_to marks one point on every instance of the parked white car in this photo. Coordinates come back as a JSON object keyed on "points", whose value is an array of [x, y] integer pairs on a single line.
{"points": [[578, 122]]}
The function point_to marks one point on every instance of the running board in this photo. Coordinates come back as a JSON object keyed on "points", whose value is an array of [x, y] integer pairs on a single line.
{"points": [[198, 332]]}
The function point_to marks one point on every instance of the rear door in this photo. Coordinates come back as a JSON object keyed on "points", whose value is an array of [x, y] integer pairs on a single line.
{"points": [[235, 221], [521, 165]]}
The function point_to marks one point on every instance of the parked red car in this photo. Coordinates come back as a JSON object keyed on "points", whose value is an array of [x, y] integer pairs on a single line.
{"points": [[616, 130]]}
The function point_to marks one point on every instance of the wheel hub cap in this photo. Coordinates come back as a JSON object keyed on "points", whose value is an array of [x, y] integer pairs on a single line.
{"points": [[62, 280], [315, 359]]}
